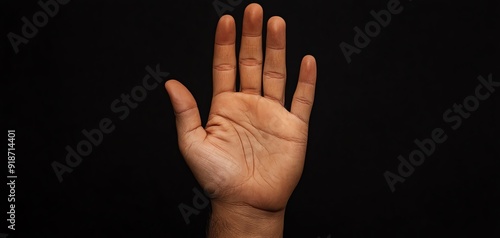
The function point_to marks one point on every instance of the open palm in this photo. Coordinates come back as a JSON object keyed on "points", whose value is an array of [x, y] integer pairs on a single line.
{"points": [[252, 150]]}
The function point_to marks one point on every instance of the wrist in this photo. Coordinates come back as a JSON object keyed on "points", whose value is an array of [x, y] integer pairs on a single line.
{"points": [[237, 221]]}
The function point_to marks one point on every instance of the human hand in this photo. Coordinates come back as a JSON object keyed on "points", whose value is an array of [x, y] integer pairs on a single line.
{"points": [[250, 155]]}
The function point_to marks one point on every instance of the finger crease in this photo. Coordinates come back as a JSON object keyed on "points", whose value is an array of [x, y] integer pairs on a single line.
{"points": [[224, 44], [275, 48], [250, 62], [224, 67], [303, 100], [250, 90], [185, 110], [273, 98], [274, 75], [308, 82], [251, 35]]}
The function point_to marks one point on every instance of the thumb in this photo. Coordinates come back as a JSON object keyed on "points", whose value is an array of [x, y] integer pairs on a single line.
{"points": [[187, 116]]}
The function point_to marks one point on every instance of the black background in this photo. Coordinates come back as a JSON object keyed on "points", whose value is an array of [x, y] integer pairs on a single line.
{"points": [[366, 113]]}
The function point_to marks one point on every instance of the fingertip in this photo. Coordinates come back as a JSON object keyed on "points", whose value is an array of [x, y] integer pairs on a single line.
{"points": [[276, 33], [252, 20], [309, 59], [308, 71], [226, 30], [254, 10], [226, 21], [276, 24], [309, 63], [169, 84], [225, 17], [254, 6]]}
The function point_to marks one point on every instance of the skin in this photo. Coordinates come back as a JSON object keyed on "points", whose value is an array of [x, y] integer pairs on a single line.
{"points": [[250, 155]]}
